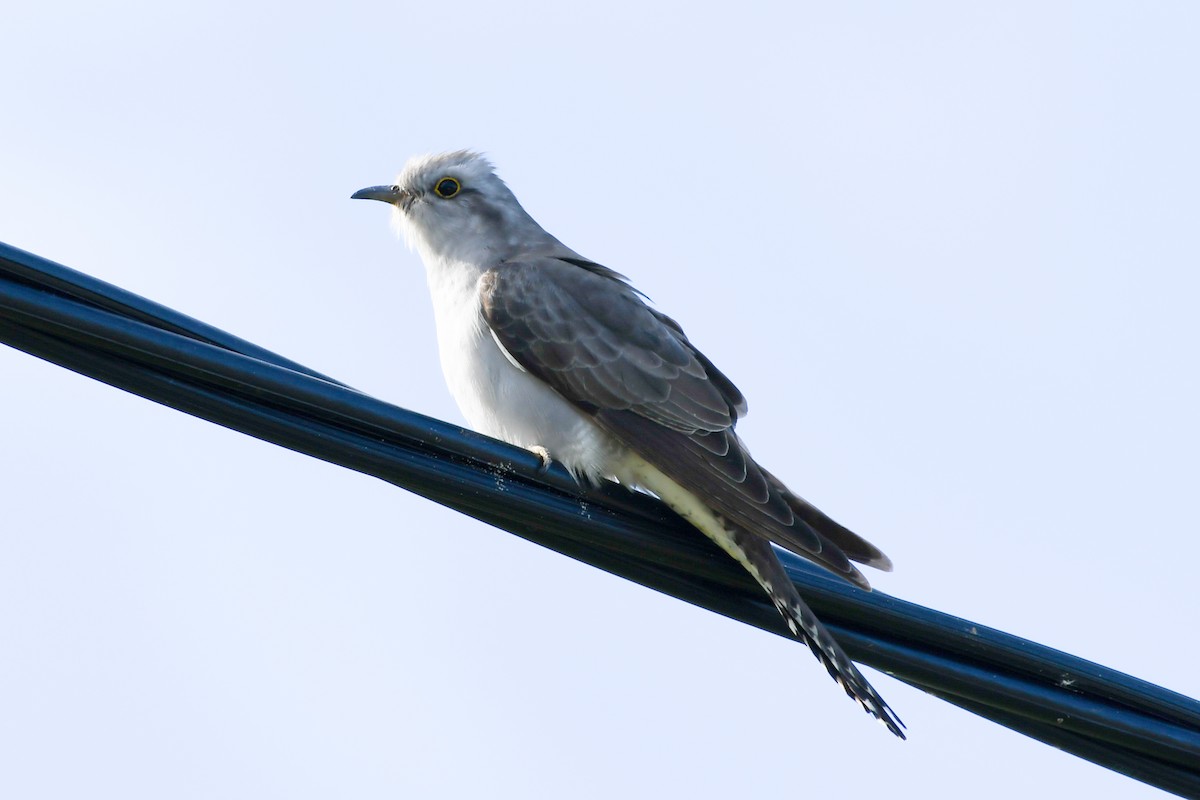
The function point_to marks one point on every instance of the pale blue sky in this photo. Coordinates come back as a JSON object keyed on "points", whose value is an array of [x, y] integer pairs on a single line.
{"points": [[968, 234]]}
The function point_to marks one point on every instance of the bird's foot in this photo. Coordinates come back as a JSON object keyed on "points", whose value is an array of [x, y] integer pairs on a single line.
{"points": [[543, 456]]}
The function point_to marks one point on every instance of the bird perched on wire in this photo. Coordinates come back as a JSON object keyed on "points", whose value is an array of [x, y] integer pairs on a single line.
{"points": [[548, 350]]}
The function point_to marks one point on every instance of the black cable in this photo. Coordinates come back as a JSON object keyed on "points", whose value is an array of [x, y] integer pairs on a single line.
{"points": [[99, 330]]}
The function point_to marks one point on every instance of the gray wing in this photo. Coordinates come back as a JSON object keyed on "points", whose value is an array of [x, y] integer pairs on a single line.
{"points": [[581, 329]]}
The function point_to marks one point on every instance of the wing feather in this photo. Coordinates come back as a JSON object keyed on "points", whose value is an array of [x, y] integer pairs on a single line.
{"points": [[580, 328]]}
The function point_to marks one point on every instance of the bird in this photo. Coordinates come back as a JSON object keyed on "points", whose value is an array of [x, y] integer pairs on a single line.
{"points": [[551, 351]]}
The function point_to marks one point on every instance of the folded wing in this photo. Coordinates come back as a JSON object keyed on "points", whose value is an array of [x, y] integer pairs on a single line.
{"points": [[580, 328]]}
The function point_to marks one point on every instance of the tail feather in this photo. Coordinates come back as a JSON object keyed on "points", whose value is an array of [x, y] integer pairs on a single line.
{"points": [[763, 564], [753, 551]]}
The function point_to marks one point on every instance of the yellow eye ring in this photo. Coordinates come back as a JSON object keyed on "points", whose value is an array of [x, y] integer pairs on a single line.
{"points": [[447, 187]]}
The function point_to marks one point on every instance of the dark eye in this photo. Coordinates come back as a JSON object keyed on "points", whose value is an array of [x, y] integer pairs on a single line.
{"points": [[447, 188]]}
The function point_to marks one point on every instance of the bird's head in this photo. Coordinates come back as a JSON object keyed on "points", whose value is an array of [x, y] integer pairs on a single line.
{"points": [[454, 206]]}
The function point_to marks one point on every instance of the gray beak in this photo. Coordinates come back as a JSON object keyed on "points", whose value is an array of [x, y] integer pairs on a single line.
{"points": [[387, 194]]}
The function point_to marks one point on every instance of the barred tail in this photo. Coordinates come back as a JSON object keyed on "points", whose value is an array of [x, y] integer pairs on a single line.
{"points": [[760, 560], [755, 554]]}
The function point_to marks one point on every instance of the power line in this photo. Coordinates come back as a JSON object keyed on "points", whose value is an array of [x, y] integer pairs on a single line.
{"points": [[102, 331]]}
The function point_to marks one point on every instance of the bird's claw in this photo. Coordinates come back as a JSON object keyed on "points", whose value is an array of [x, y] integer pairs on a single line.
{"points": [[543, 457]]}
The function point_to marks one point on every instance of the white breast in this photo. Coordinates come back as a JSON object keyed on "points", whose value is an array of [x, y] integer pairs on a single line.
{"points": [[495, 395]]}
